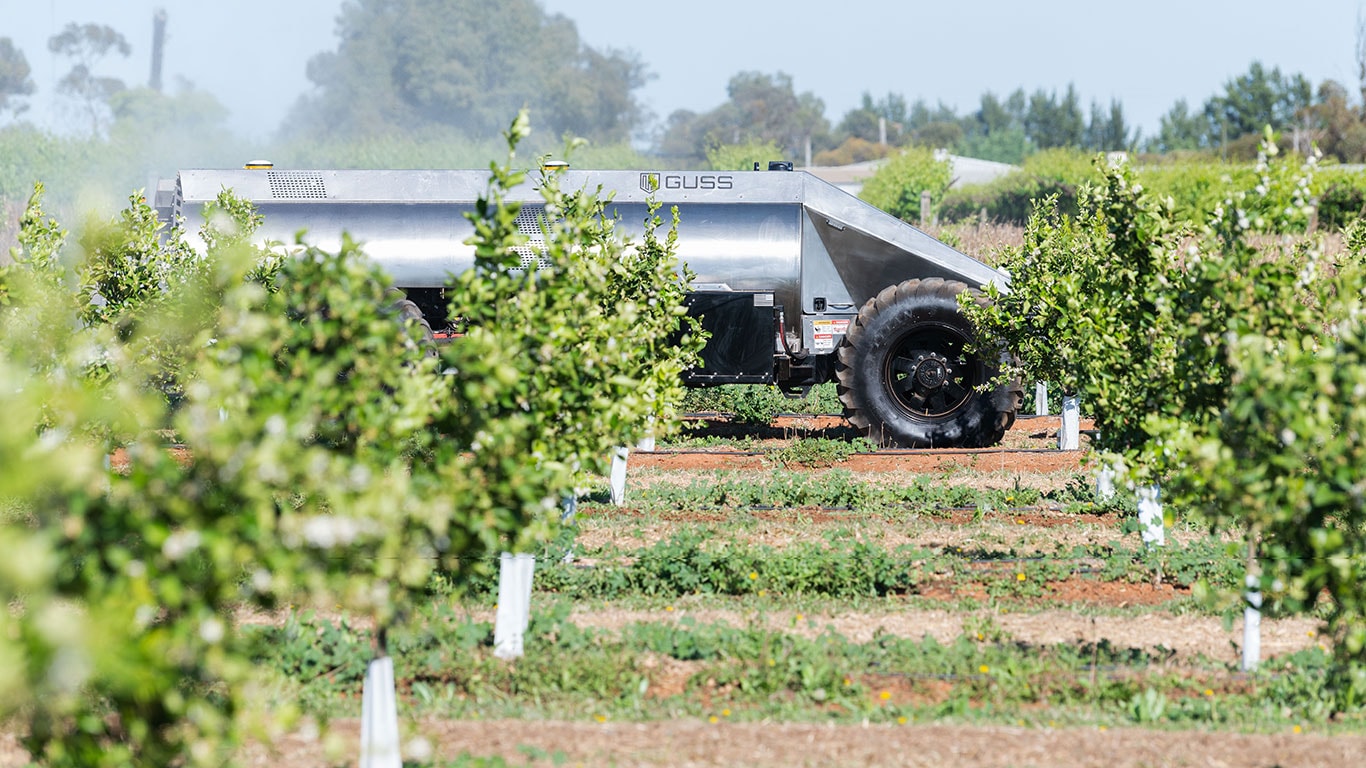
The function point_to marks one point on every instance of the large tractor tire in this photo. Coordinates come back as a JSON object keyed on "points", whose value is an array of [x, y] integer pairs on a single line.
{"points": [[906, 378]]}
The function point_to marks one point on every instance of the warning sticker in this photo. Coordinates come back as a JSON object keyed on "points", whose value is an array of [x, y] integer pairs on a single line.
{"points": [[824, 332]]}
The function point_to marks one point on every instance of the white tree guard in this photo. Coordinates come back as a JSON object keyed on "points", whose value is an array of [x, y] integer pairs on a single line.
{"points": [[617, 479], [1105, 482], [1252, 625], [647, 443], [1150, 518], [379, 717], [514, 604], [1069, 437], [1041, 399]]}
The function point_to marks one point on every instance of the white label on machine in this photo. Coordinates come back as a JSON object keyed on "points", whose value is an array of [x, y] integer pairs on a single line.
{"points": [[824, 332], [763, 299]]}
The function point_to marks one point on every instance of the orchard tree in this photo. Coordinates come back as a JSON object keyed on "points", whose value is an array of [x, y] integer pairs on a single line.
{"points": [[897, 185], [1281, 456], [403, 65], [14, 77], [1227, 367], [86, 45], [331, 458]]}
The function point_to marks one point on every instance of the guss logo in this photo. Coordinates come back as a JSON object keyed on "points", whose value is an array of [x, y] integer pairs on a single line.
{"points": [[649, 182]]}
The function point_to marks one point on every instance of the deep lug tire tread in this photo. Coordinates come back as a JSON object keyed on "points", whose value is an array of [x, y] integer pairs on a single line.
{"points": [[882, 321]]}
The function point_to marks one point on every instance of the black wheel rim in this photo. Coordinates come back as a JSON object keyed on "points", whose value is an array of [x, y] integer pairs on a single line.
{"points": [[929, 374]]}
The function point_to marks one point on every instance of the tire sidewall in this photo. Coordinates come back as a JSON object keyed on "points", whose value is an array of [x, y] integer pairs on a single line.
{"points": [[971, 424]]}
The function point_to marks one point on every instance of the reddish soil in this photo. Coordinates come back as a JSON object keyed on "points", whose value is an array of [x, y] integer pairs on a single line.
{"points": [[1030, 446], [1052, 612]]}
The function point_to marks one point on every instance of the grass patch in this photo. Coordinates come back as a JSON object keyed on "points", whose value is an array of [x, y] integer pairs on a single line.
{"points": [[655, 671]]}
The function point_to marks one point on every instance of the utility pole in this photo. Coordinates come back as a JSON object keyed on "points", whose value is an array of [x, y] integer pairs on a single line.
{"points": [[158, 44]]}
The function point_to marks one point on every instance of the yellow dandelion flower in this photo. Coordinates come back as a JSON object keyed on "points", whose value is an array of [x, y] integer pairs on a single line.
{"points": [[600, 718], [984, 669], [753, 575], [1019, 577], [725, 713], [763, 592], [1209, 691], [847, 681], [885, 695], [772, 663], [901, 720], [1297, 729], [713, 720], [669, 608]]}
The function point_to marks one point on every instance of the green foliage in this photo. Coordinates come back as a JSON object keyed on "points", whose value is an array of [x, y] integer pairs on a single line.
{"points": [[1231, 370], [742, 157], [1093, 281], [1053, 122], [1055, 174], [418, 65], [760, 404], [896, 187], [1283, 457], [85, 45], [561, 357], [852, 150], [126, 269], [40, 241], [761, 109], [821, 451], [327, 456], [15, 77], [647, 284], [1342, 200], [1180, 129], [840, 489], [1255, 100]]}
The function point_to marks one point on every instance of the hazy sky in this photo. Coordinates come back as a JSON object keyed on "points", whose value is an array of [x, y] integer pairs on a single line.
{"points": [[251, 53]]}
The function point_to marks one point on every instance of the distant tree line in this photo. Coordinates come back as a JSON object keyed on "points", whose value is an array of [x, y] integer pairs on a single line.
{"points": [[450, 72]]}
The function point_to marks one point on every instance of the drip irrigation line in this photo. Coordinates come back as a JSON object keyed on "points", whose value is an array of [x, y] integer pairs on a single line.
{"points": [[878, 452], [873, 509]]}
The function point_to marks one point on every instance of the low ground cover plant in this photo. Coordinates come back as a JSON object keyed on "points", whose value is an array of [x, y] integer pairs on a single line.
{"points": [[755, 672]]}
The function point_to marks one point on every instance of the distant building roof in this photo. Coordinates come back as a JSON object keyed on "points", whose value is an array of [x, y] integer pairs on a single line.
{"points": [[965, 170]]}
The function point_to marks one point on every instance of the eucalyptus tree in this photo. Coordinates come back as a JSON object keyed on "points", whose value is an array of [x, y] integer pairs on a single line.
{"points": [[460, 65]]}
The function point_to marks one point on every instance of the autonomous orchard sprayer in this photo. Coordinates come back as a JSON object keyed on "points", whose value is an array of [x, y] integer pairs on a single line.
{"points": [[797, 281]]}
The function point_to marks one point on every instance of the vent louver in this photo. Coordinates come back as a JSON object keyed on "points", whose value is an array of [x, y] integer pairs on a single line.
{"points": [[529, 223], [296, 185]]}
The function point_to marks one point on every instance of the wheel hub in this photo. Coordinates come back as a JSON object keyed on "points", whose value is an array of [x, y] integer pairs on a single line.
{"points": [[931, 372]]}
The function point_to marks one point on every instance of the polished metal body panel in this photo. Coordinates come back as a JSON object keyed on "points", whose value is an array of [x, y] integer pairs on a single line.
{"points": [[820, 251]]}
